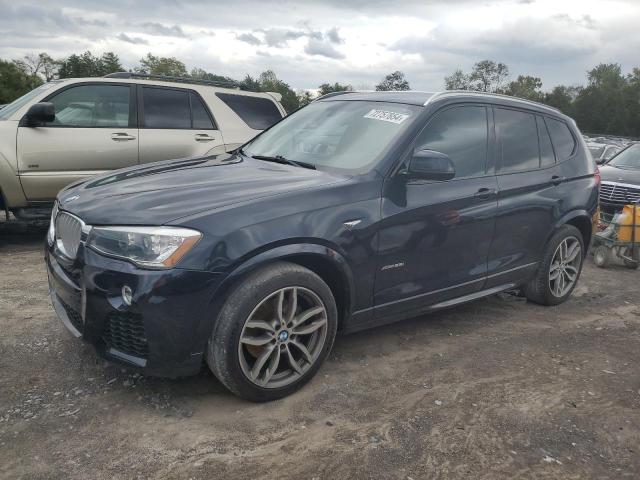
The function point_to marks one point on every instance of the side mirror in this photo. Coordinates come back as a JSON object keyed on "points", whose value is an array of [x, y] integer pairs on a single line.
{"points": [[431, 165], [39, 113]]}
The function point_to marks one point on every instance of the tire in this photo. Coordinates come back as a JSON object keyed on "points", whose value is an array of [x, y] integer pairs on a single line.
{"points": [[601, 256], [259, 308], [539, 289]]}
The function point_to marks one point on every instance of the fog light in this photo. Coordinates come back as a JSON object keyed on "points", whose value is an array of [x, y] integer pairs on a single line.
{"points": [[127, 295]]}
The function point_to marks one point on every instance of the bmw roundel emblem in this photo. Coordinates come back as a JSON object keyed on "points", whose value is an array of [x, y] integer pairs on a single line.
{"points": [[283, 336]]}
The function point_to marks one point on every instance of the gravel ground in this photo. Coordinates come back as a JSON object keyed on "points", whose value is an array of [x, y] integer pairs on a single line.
{"points": [[499, 388]]}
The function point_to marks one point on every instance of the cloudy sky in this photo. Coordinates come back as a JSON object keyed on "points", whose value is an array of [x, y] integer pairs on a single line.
{"points": [[351, 41]]}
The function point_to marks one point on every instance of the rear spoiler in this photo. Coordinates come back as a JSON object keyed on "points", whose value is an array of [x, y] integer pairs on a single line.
{"points": [[276, 96]]}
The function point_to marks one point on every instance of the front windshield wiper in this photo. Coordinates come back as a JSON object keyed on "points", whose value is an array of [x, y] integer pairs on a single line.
{"points": [[283, 160]]}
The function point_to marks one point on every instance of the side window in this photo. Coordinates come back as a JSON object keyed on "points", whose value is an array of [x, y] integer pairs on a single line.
{"points": [[461, 133], [92, 106], [547, 157], [200, 115], [166, 108], [257, 112], [563, 141], [517, 140]]}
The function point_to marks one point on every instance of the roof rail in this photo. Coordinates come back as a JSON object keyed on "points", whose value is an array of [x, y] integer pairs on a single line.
{"points": [[167, 78], [487, 94]]}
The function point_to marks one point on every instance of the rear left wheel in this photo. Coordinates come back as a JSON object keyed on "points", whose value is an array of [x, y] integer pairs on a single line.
{"points": [[559, 269], [273, 332]]}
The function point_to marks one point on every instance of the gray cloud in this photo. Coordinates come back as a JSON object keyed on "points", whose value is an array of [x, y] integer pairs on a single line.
{"points": [[322, 48], [155, 28], [279, 37], [333, 34], [249, 38], [135, 40]]}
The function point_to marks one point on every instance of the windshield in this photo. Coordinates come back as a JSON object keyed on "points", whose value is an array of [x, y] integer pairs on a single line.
{"points": [[345, 135], [596, 151], [20, 102], [629, 158]]}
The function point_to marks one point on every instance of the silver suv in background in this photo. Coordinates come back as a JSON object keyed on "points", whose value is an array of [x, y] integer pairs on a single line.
{"points": [[68, 130]]}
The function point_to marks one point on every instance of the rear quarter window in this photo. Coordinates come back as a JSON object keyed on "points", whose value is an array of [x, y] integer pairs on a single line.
{"points": [[257, 112], [563, 141]]}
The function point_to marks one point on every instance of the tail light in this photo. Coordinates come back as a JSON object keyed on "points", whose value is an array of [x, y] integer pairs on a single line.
{"points": [[597, 176]]}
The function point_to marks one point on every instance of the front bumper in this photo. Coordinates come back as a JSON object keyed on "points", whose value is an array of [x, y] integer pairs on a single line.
{"points": [[165, 330]]}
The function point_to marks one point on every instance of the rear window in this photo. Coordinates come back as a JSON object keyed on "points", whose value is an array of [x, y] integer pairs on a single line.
{"points": [[257, 112], [563, 141]]}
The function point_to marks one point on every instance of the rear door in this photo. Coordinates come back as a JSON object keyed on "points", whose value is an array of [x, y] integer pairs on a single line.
{"points": [[175, 123], [94, 131], [530, 194], [435, 237]]}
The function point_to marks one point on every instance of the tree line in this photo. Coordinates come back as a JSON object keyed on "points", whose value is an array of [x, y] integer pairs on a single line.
{"points": [[609, 103]]}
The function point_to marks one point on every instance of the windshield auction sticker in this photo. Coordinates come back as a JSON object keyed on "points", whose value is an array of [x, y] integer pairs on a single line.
{"points": [[386, 116]]}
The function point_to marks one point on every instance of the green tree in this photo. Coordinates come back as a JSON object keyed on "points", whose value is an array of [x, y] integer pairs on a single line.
{"points": [[269, 82], [304, 97], [393, 81], [200, 74], [41, 65], [14, 82], [527, 87], [168, 66], [488, 76], [88, 65], [336, 87], [562, 97], [601, 107], [250, 84], [458, 80]]}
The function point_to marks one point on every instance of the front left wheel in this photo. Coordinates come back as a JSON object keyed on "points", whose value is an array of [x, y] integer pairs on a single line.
{"points": [[273, 332]]}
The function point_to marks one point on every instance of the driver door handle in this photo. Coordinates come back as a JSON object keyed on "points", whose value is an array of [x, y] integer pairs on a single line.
{"points": [[203, 137], [120, 136], [556, 180], [485, 193]]}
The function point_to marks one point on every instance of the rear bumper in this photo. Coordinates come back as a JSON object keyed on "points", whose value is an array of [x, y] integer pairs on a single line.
{"points": [[165, 330]]}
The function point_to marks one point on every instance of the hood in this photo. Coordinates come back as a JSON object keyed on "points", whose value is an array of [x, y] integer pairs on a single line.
{"points": [[609, 173], [161, 192]]}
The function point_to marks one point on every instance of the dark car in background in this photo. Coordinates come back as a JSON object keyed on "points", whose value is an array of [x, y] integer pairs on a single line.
{"points": [[357, 210], [621, 180]]}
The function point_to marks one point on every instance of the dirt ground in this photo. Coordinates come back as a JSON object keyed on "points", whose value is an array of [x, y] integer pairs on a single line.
{"points": [[499, 388]]}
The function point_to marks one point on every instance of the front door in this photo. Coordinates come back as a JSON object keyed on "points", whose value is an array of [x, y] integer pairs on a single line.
{"points": [[175, 123], [435, 236], [94, 131]]}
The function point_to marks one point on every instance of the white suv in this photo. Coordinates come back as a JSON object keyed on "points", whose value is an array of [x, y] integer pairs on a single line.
{"points": [[68, 130]]}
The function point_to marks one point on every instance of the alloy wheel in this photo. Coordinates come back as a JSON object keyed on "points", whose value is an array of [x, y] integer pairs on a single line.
{"points": [[565, 267], [283, 337]]}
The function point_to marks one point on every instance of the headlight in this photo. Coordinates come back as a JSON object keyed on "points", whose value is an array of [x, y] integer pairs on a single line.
{"points": [[151, 247], [51, 233]]}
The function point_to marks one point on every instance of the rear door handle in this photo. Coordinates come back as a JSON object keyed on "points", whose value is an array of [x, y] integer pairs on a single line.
{"points": [[485, 193], [557, 180], [203, 137], [119, 137]]}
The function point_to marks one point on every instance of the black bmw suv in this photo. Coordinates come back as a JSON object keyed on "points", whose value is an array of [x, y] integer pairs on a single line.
{"points": [[358, 210]]}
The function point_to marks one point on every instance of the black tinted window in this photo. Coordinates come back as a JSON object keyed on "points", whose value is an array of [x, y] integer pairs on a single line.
{"points": [[259, 113], [561, 137], [547, 157], [201, 118], [165, 108], [517, 140], [92, 106], [461, 133]]}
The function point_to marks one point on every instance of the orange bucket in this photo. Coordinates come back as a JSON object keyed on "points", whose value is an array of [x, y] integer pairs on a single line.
{"points": [[627, 223]]}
